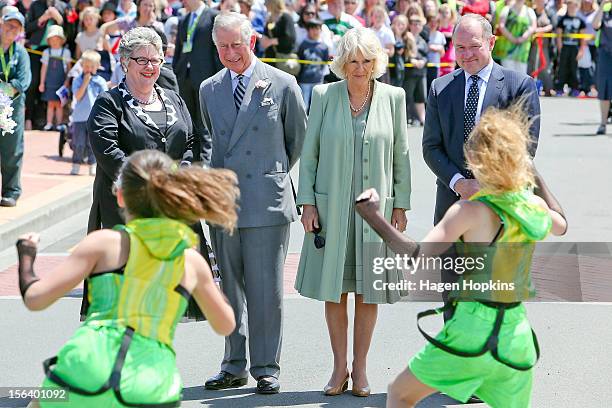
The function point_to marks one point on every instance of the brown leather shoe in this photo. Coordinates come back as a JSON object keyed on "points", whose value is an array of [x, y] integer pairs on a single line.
{"points": [[332, 391]]}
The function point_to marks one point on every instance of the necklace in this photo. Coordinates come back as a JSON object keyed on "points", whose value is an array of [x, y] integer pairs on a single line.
{"points": [[363, 104], [151, 100]]}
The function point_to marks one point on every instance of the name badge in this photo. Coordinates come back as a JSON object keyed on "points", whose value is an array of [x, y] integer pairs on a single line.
{"points": [[187, 46]]}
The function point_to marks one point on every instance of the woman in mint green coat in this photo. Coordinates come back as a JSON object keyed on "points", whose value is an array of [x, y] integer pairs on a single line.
{"points": [[356, 138]]}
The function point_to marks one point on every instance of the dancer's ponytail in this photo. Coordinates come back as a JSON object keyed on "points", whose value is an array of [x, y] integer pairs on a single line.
{"points": [[153, 186]]}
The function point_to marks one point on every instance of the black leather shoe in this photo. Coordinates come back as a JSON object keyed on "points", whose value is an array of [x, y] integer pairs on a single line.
{"points": [[223, 381], [8, 202], [267, 384]]}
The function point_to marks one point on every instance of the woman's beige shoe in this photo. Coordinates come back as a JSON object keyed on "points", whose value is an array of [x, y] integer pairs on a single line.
{"points": [[331, 391], [360, 392]]}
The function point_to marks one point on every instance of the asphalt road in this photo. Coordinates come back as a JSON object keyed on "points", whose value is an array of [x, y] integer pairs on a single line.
{"points": [[576, 360]]}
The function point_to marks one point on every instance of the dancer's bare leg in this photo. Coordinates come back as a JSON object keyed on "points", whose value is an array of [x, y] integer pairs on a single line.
{"points": [[406, 391]]}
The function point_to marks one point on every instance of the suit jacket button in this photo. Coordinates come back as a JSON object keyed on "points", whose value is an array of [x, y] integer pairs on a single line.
{"points": [[227, 155], [163, 140], [222, 132], [248, 152], [365, 177], [255, 128], [248, 176]]}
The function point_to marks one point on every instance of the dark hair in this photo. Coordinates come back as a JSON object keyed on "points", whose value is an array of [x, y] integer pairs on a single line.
{"points": [[301, 21], [154, 186]]}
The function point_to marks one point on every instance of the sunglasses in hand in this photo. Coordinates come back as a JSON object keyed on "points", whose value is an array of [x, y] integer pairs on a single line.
{"points": [[319, 241]]}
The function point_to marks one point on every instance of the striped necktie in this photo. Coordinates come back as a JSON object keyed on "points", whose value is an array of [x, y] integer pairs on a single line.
{"points": [[239, 92]]}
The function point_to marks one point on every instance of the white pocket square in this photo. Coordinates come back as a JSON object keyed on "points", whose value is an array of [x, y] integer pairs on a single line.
{"points": [[267, 102]]}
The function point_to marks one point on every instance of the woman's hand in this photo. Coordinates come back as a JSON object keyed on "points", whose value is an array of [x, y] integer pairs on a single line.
{"points": [[41, 87], [310, 217], [399, 219]]}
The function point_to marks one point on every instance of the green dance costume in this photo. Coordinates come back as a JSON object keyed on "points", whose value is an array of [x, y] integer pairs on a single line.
{"points": [[122, 355], [488, 347]]}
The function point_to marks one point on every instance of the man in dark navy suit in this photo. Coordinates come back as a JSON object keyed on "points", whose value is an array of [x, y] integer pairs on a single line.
{"points": [[456, 102], [195, 59]]}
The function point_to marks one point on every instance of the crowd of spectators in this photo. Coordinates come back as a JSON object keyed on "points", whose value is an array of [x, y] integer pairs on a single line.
{"points": [[537, 37]]}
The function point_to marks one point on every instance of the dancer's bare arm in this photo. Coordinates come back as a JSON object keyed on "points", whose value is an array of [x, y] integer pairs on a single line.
{"points": [[40, 292], [211, 300], [458, 220]]}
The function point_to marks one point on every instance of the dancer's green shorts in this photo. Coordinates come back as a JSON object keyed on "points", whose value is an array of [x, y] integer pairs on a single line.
{"points": [[149, 375], [493, 382]]}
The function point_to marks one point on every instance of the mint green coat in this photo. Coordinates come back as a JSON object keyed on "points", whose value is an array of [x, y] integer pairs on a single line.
{"points": [[326, 167]]}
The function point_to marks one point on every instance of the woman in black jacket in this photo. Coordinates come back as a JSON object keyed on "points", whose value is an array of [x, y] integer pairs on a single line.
{"points": [[279, 32]]}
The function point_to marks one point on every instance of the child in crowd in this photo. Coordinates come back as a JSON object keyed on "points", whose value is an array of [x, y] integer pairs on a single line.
{"points": [[111, 41], [436, 44], [85, 90], [378, 16], [399, 26], [312, 49], [448, 18], [56, 61], [90, 38], [570, 49], [414, 76]]}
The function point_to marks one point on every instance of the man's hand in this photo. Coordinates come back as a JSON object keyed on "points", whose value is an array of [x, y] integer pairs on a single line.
{"points": [[467, 188], [399, 219], [41, 87], [310, 217]]}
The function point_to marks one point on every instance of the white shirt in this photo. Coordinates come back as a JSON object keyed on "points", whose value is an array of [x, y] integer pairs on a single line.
{"points": [[484, 75], [246, 75]]}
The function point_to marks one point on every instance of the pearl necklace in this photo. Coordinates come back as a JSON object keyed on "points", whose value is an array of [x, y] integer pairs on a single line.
{"points": [[151, 100], [363, 104]]}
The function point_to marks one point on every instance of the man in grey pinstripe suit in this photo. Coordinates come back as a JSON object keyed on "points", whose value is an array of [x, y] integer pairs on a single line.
{"points": [[256, 116]]}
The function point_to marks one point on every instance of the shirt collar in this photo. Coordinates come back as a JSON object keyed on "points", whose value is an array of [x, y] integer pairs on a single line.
{"points": [[249, 71], [200, 9], [484, 73]]}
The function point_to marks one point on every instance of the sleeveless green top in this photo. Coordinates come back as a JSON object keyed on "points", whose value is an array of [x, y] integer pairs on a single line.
{"points": [[147, 296], [505, 264]]}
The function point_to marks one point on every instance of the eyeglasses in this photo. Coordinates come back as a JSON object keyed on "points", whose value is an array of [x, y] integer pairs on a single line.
{"points": [[349, 2], [144, 61], [319, 241], [310, 13]]}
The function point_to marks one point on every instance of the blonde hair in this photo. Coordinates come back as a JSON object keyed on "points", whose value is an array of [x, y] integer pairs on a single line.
{"points": [[362, 40], [89, 11], [275, 8], [497, 150], [91, 56], [154, 186], [452, 12], [410, 50]]}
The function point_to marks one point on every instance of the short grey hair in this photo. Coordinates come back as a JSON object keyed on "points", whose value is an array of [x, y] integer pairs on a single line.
{"points": [[362, 40], [135, 39], [229, 20], [487, 30]]}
